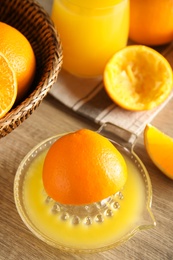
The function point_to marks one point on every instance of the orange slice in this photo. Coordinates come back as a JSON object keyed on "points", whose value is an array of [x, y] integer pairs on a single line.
{"points": [[8, 86], [19, 52], [138, 78], [159, 147]]}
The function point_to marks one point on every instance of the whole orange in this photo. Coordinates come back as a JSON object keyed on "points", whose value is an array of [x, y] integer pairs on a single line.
{"points": [[17, 49], [83, 167], [151, 22]]}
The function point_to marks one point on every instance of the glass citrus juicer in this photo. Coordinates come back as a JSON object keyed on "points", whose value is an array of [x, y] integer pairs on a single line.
{"points": [[88, 228]]}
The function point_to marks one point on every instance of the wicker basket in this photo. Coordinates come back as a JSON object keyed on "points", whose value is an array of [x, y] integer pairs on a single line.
{"points": [[31, 19]]}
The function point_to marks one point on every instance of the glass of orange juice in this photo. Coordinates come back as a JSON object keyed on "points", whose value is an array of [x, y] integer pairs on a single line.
{"points": [[91, 32]]}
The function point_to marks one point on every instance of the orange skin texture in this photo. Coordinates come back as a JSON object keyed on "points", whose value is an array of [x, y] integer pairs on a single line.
{"points": [[83, 167]]}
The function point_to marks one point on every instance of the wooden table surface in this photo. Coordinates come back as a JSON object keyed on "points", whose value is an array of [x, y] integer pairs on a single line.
{"points": [[17, 242]]}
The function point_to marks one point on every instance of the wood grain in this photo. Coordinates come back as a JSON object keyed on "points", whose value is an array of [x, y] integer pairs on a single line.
{"points": [[18, 243]]}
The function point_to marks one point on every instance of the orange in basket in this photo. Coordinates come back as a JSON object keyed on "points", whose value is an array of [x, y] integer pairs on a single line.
{"points": [[138, 78], [83, 167], [17, 49], [160, 149], [151, 22], [8, 86]]}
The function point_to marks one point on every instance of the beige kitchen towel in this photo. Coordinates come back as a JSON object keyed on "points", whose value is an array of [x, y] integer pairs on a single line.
{"points": [[88, 98]]}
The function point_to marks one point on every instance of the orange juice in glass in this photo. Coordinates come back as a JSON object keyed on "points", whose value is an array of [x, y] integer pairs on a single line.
{"points": [[91, 32]]}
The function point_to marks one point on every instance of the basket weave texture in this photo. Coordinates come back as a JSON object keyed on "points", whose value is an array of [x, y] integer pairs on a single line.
{"points": [[32, 20]]}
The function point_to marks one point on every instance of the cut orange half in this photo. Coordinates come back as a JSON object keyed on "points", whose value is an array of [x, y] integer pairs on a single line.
{"points": [[83, 167], [138, 78], [159, 147], [8, 86]]}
